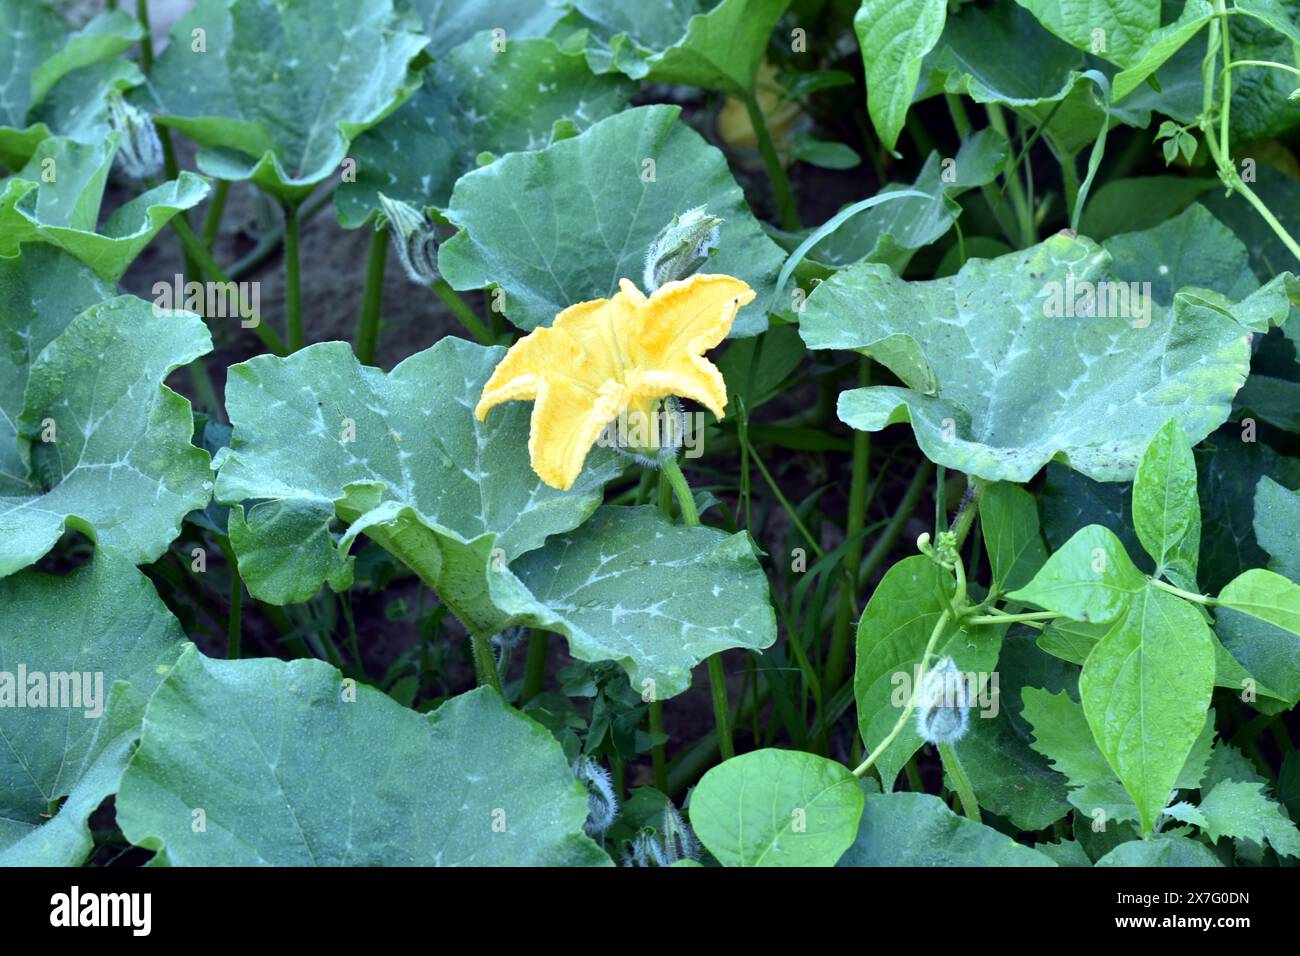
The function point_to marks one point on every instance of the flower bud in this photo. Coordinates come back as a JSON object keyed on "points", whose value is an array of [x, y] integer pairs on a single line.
{"points": [[139, 153], [415, 239], [942, 714], [602, 804], [681, 248]]}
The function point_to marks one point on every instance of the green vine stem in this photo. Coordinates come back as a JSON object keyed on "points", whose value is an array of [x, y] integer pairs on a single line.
{"points": [[906, 715], [293, 279], [776, 173], [658, 757], [717, 676], [234, 624], [460, 308], [367, 335], [485, 664], [1019, 202], [838, 654], [960, 781], [212, 224], [146, 40]]}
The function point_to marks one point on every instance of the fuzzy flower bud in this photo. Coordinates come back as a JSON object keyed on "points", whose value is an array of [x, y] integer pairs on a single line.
{"points": [[602, 804], [664, 847], [681, 247], [415, 239], [942, 714], [139, 154]]}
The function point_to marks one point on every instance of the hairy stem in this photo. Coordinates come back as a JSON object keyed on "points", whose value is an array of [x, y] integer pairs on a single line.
{"points": [[460, 308], [293, 279], [367, 335], [960, 781]]}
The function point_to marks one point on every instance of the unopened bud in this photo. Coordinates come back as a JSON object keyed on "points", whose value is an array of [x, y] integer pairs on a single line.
{"points": [[681, 247], [415, 239], [942, 714], [602, 803], [139, 152]]}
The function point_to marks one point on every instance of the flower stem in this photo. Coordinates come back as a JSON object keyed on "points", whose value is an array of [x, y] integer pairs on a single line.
{"points": [[367, 335], [960, 781], [146, 40], [459, 308], [776, 173], [657, 756], [717, 676], [212, 224], [485, 663], [535, 664], [906, 715], [292, 279]]}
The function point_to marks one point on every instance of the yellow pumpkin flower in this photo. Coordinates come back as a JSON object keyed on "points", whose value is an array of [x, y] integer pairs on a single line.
{"points": [[602, 359]]}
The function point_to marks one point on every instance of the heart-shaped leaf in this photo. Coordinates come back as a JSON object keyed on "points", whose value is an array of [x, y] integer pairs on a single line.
{"points": [[1007, 364], [1166, 513], [777, 808], [895, 37], [563, 225], [90, 438], [302, 782], [65, 212], [93, 646], [276, 92], [476, 99]]}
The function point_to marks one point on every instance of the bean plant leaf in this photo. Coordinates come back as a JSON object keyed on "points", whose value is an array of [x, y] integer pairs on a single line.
{"points": [[93, 645], [1089, 579], [1009, 522], [1166, 513], [40, 51], [98, 443], [456, 500], [1259, 620], [894, 38], [66, 212], [1242, 810], [721, 49], [473, 783], [892, 636], [975, 351], [1164, 850], [1277, 526], [1145, 689], [474, 100], [917, 829], [777, 808], [275, 92], [1116, 30], [563, 225]]}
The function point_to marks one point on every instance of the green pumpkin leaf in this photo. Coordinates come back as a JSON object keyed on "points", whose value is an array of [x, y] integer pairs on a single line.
{"points": [[892, 635], [917, 829], [40, 52], [563, 225], [474, 100], [721, 49], [119, 466], [1140, 203], [279, 91], [777, 808], [1009, 522], [977, 349], [270, 751], [1145, 689], [101, 640], [1089, 579], [1163, 850], [65, 212], [1244, 811], [1166, 513], [449, 23], [457, 501], [895, 38]]}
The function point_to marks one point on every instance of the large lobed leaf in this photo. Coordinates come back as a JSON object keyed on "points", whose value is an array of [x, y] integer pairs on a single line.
{"points": [[86, 372], [997, 387], [456, 500], [563, 225], [100, 630], [273, 763], [278, 91]]}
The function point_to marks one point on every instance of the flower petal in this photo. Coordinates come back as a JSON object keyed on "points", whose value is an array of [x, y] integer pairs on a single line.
{"points": [[688, 376], [542, 352], [601, 328], [687, 318], [567, 419]]}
